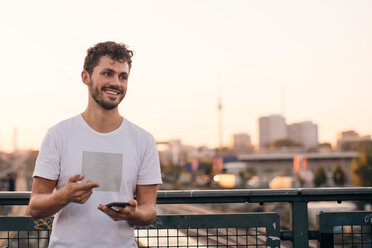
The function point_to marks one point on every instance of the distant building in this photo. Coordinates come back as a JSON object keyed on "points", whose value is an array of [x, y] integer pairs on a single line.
{"points": [[275, 163], [271, 128], [175, 153], [175, 146], [202, 152], [304, 133], [241, 143], [298, 137], [350, 140]]}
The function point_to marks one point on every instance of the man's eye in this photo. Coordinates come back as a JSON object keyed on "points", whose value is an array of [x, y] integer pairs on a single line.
{"points": [[123, 77], [107, 74]]}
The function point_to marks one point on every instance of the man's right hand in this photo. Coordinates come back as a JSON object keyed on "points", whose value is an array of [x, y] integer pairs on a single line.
{"points": [[75, 191], [45, 201]]}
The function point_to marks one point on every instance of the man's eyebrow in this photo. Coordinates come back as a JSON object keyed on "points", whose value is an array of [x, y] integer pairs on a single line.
{"points": [[113, 71], [108, 69]]}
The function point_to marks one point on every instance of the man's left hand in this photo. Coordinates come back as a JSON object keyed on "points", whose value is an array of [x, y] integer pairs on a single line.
{"points": [[122, 213]]}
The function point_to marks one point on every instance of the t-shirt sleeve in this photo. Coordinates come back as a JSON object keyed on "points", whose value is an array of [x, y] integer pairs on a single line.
{"points": [[48, 161], [149, 172]]}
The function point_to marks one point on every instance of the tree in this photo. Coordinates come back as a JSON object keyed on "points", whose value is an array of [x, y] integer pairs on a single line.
{"points": [[300, 180], [339, 176], [362, 167], [247, 174], [320, 177], [355, 145]]}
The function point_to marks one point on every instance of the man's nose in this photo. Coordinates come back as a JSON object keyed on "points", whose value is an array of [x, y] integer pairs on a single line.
{"points": [[116, 81]]}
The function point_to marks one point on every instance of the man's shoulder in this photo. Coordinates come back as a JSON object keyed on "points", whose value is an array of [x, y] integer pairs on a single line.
{"points": [[137, 130], [65, 124]]}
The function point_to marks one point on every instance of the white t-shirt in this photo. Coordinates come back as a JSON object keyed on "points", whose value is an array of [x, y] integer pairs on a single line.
{"points": [[118, 161]]}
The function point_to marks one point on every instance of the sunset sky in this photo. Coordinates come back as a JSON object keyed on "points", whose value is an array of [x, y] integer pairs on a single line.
{"points": [[316, 55]]}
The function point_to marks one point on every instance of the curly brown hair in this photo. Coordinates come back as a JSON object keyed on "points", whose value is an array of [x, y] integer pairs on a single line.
{"points": [[117, 51]]}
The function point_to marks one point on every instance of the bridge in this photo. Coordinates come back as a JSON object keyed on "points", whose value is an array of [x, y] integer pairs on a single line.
{"points": [[286, 161]]}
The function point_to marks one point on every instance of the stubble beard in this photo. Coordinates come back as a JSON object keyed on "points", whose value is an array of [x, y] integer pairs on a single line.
{"points": [[98, 98]]}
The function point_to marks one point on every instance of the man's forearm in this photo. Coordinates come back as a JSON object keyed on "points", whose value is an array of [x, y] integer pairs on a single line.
{"points": [[45, 205], [145, 215], [45, 201]]}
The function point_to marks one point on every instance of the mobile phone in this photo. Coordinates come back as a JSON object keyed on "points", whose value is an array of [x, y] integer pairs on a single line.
{"points": [[112, 205]]}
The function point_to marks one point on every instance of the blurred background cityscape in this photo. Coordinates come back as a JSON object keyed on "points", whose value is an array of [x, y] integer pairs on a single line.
{"points": [[288, 155], [238, 94]]}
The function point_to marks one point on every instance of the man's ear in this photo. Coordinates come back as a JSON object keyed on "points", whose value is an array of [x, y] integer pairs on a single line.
{"points": [[85, 77]]}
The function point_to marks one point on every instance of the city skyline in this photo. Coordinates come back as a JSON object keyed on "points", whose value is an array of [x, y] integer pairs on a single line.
{"points": [[230, 143], [308, 61]]}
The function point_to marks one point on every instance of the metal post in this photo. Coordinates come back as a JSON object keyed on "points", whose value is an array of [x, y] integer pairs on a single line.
{"points": [[300, 226]]}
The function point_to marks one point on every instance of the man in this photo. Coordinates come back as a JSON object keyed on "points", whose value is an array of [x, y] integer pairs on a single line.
{"points": [[95, 158]]}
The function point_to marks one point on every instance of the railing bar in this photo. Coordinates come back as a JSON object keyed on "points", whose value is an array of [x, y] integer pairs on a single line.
{"points": [[197, 237], [217, 236], [258, 195], [157, 236], [148, 237], [361, 233], [187, 231], [227, 237], [207, 237], [256, 236], [178, 237], [49, 232]]}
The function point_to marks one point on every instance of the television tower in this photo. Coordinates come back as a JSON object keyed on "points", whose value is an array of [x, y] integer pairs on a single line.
{"points": [[15, 139], [219, 109], [282, 100]]}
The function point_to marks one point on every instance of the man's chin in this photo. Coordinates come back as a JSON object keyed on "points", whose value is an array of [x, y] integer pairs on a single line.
{"points": [[109, 106], [108, 103]]}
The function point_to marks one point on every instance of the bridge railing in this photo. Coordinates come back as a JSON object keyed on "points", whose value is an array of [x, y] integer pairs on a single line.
{"points": [[341, 229]]}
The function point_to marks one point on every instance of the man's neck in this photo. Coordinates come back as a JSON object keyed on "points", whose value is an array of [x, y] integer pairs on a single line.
{"points": [[102, 120]]}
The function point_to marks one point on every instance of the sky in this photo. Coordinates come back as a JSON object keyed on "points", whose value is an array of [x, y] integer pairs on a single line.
{"points": [[306, 60]]}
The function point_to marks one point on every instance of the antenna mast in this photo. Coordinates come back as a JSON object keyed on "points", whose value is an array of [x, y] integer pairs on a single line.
{"points": [[15, 139], [219, 109], [282, 100]]}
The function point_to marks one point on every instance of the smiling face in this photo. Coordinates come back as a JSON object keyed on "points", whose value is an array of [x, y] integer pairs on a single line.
{"points": [[108, 82]]}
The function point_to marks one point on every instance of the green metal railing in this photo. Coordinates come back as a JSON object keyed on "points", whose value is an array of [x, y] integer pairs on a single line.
{"points": [[221, 230], [347, 229], [254, 226]]}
